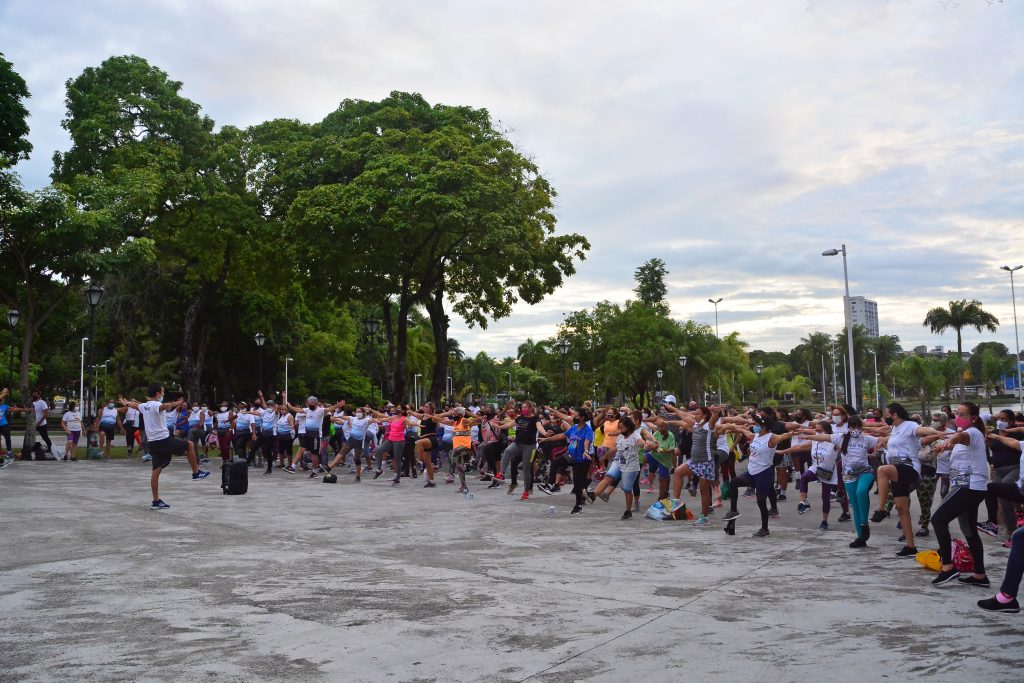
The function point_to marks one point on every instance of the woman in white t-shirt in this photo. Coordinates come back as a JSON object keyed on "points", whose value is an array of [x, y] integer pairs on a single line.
{"points": [[968, 477], [71, 423], [760, 472]]}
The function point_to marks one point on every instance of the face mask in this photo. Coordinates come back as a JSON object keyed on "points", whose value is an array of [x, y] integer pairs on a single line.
{"points": [[223, 407], [756, 429], [525, 412], [854, 433], [1002, 424], [359, 416], [110, 405], [963, 422], [888, 421], [837, 419], [936, 425], [622, 413]]}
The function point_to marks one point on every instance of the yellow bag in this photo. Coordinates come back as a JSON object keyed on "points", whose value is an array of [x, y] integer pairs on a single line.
{"points": [[929, 559]]}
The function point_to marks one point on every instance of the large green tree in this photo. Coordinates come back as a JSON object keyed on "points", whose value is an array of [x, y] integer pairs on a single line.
{"points": [[956, 316], [14, 144], [650, 284]]}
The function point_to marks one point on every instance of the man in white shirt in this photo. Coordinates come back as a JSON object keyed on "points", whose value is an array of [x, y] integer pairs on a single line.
{"points": [[42, 410], [161, 444]]}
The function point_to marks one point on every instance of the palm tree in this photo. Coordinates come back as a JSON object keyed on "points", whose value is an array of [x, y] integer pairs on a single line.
{"points": [[480, 373], [531, 353], [816, 346], [887, 348], [921, 372], [958, 315]]}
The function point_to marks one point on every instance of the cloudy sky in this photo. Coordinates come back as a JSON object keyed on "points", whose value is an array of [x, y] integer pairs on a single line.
{"points": [[735, 140]]}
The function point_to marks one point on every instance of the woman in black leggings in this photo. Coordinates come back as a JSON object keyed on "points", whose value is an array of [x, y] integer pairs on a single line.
{"points": [[968, 476]]}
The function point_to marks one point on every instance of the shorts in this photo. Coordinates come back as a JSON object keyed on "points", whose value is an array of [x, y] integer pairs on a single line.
{"points": [[907, 481], [310, 442], [703, 470], [722, 456], [162, 450], [74, 436], [761, 482], [614, 471], [653, 465], [433, 441], [108, 430], [628, 479]]}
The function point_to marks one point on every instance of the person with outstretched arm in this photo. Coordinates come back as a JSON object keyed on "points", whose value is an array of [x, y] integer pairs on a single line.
{"points": [[162, 445]]}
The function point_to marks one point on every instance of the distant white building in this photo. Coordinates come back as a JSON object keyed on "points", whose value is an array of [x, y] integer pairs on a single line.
{"points": [[864, 312]]}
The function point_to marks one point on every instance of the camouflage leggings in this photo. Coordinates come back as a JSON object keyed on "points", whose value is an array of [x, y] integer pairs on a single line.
{"points": [[925, 496]]}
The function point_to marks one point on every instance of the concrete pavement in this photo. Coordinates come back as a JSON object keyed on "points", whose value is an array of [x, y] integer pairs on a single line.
{"points": [[299, 580]]}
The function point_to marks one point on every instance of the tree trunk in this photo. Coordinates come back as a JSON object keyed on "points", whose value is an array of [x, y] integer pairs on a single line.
{"points": [[960, 359], [389, 333], [439, 326], [401, 348], [196, 332], [26, 397]]}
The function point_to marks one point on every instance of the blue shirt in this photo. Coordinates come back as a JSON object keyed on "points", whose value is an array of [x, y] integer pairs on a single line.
{"points": [[576, 439], [3, 414]]}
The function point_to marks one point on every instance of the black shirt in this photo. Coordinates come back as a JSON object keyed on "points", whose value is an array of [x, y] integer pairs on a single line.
{"points": [[1002, 455], [526, 430]]}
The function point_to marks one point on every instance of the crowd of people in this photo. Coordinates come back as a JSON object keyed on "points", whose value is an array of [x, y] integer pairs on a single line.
{"points": [[718, 453]]}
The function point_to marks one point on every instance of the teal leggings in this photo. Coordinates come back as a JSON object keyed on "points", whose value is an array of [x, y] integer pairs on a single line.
{"points": [[857, 492]]}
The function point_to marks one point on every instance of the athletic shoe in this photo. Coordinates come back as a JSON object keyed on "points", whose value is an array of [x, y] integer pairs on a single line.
{"points": [[845, 517], [702, 521], [859, 543], [499, 477], [650, 488], [971, 581], [511, 488], [267, 471], [993, 605], [485, 477], [902, 539], [429, 485], [773, 513], [525, 496], [693, 491], [899, 524], [605, 497], [591, 496], [878, 516], [201, 474], [781, 497], [358, 480], [495, 484], [396, 481], [823, 526], [147, 458], [803, 507], [748, 493], [636, 506], [1007, 543], [159, 505], [377, 473], [760, 533], [545, 488], [576, 509], [988, 528], [907, 551], [449, 479], [945, 578], [645, 481], [865, 532], [556, 488], [313, 475], [731, 515], [626, 515], [289, 469], [4, 463], [462, 489], [598, 475], [922, 532]]}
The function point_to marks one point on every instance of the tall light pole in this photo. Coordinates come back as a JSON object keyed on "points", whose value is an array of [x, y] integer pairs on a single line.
{"points": [[716, 302], [372, 325], [660, 374], [563, 348], [878, 396], [596, 385], [824, 385], [93, 294], [286, 360], [509, 374], [416, 388], [1016, 337], [13, 316], [851, 391], [682, 374], [835, 385], [575, 369], [760, 385], [81, 375], [260, 340]]}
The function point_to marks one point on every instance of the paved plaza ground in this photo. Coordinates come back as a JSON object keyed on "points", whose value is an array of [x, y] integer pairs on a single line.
{"points": [[300, 580]]}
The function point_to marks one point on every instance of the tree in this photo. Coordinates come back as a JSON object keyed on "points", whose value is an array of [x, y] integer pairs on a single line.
{"points": [[956, 316], [530, 354], [650, 284], [993, 367], [920, 372], [974, 363], [14, 144]]}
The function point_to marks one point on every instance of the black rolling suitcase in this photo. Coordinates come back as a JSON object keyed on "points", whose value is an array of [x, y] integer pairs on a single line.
{"points": [[235, 477]]}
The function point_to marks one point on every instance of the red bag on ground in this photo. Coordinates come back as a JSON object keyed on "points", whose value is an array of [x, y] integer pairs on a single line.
{"points": [[962, 560]]}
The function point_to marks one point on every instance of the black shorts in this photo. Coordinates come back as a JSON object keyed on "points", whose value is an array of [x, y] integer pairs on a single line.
{"points": [[433, 441], [907, 481], [310, 442], [108, 430], [162, 450]]}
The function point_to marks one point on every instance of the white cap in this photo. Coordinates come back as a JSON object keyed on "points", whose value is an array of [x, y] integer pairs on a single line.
{"points": [[669, 399]]}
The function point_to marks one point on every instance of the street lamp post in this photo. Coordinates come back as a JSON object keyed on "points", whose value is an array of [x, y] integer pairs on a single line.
{"points": [[286, 360], [93, 294], [596, 385], [509, 374], [660, 374], [1016, 337], [718, 336], [835, 385], [851, 391], [824, 385], [760, 385], [260, 340], [416, 389], [563, 348], [682, 373], [372, 325], [13, 316], [878, 395]]}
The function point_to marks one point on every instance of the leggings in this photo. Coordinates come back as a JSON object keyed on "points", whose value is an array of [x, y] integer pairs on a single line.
{"points": [[925, 496], [510, 459], [962, 505], [241, 442], [826, 489], [5, 430], [580, 479], [406, 460], [224, 443], [396, 449], [857, 491], [1014, 564], [44, 434], [728, 465], [762, 483], [1002, 494], [558, 466], [458, 460], [266, 445], [129, 436]]}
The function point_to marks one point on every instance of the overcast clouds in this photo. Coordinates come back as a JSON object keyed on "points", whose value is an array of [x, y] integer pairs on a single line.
{"points": [[735, 140]]}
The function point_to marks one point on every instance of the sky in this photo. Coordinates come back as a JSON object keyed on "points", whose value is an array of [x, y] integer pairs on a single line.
{"points": [[735, 140]]}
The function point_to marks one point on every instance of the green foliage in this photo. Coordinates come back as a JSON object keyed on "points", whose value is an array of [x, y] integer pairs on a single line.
{"points": [[14, 144], [650, 284]]}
